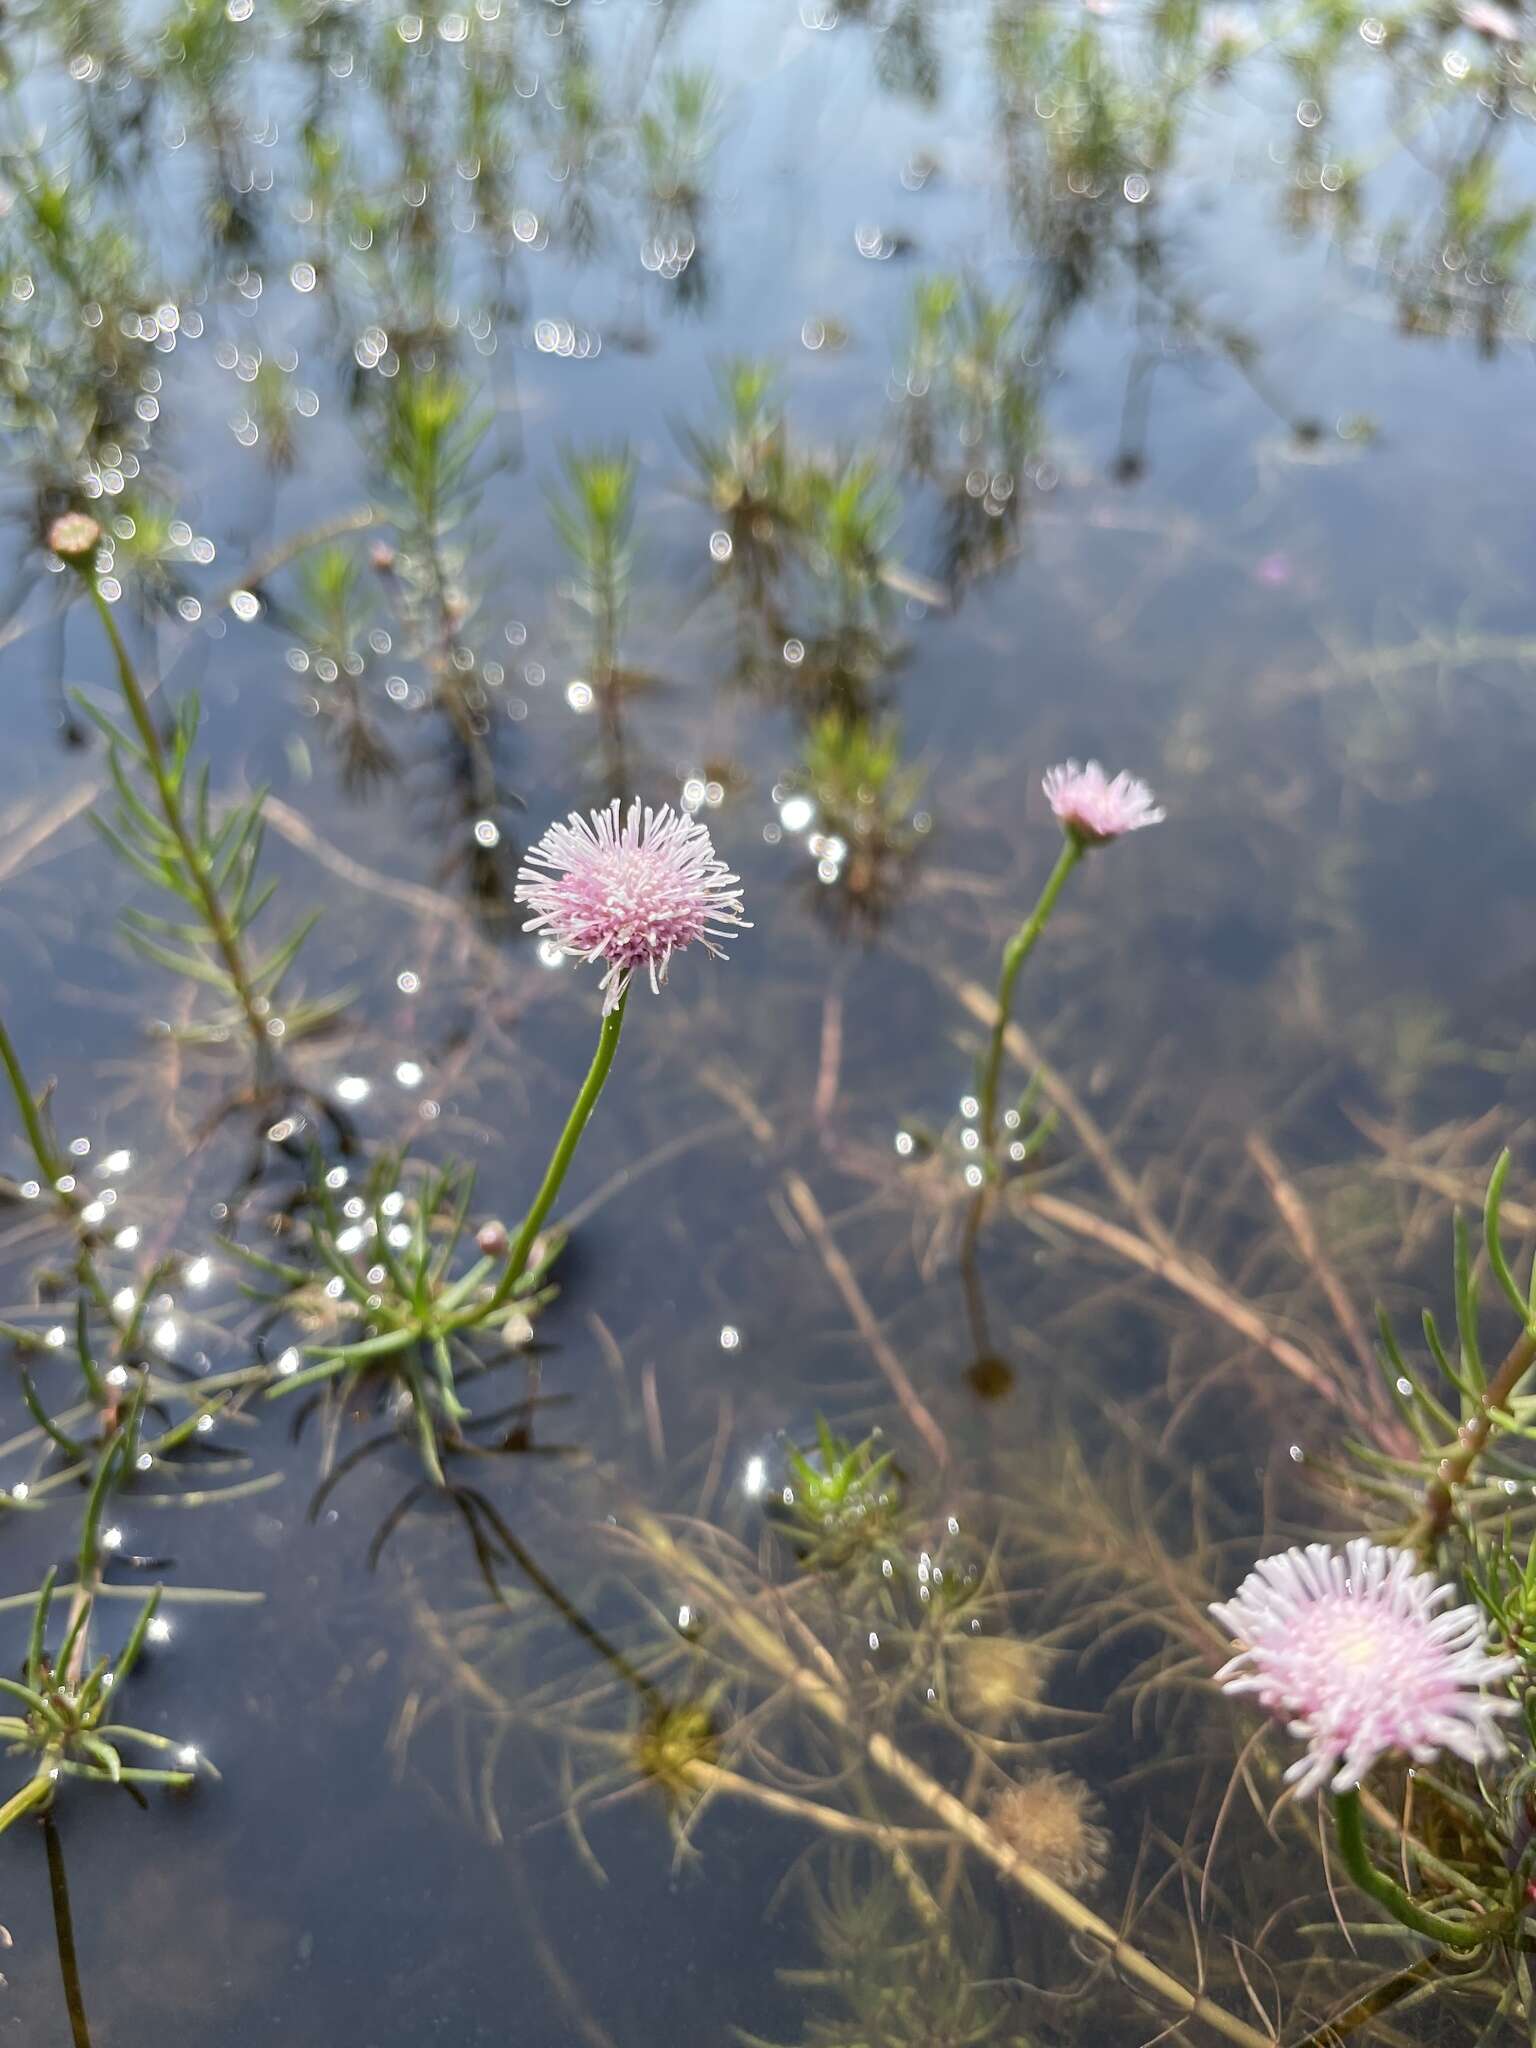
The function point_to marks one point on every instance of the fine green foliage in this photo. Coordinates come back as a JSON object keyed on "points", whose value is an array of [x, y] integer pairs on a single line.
{"points": [[209, 864], [408, 1297], [67, 1722], [840, 1498], [1466, 1414]]}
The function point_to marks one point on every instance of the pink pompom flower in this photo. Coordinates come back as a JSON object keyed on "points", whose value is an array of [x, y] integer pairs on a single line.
{"points": [[1360, 1656], [631, 890], [1095, 809]]}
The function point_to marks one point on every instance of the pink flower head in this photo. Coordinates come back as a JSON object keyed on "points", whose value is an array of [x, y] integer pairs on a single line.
{"points": [[1094, 809], [632, 893], [1354, 1654]]}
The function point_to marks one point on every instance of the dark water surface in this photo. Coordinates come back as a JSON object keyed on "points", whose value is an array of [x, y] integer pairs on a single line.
{"points": [[1162, 376]]}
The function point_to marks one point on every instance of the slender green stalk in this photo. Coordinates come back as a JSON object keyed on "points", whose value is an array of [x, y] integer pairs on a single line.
{"points": [[1375, 1884], [1015, 953], [197, 866], [64, 1931], [52, 1168], [48, 1162], [564, 1152]]}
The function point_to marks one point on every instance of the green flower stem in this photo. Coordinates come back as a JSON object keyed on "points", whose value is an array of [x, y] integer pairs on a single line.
{"points": [[1376, 1885], [564, 1152], [1015, 953], [170, 805]]}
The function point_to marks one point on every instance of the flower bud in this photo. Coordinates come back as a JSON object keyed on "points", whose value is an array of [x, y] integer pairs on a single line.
{"points": [[74, 535]]}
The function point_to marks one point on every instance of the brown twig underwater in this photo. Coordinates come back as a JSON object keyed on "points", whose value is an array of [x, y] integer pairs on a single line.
{"points": [[1297, 1218], [808, 1213], [25, 834], [1241, 1315], [982, 1005]]}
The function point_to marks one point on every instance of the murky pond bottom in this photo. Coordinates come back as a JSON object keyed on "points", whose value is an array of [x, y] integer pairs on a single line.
{"points": [[768, 1600]]}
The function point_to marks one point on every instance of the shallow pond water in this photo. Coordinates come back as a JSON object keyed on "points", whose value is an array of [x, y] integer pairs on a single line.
{"points": [[823, 418]]}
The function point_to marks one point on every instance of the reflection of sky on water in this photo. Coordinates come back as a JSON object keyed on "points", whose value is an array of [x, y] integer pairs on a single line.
{"points": [[1261, 536]]}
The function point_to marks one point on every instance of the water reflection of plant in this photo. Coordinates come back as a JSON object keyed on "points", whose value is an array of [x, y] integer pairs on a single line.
{"points": [[331, 622], [432, 435], [971, 416], [675, 139], [594, 517], [748, 476], [868, 828]]}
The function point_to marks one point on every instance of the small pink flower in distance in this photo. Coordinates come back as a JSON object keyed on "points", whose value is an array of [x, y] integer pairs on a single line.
{"points": [[1487, 18], [1354, 1653], [632, 892], [1276, 570], [1095, 810]]}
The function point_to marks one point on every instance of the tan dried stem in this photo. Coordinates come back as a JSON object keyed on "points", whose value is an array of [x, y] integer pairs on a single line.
{"points": [[1178, 1272]]}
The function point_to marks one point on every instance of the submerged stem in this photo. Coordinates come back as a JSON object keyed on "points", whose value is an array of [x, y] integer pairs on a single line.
{"points": [[64, 1934], [1386, 1892], [564, 1152]]}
